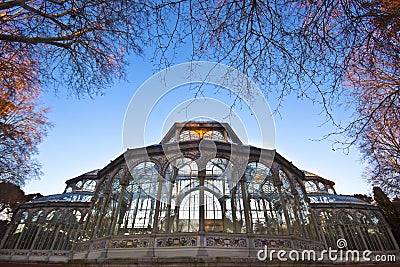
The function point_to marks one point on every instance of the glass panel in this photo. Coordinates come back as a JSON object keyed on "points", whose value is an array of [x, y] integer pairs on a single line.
{"points": [[179, 193], [329, 228], [89, 185], [219, 196], [110, 208], [188, 135], [321, 186], [285, 181], [49, 231], [330, 190], [17, 229], [136, 212], [79, 185], [188, 216], [266, 212], [67, 232], [214, 135], [303, 213], [310, 186], [350, 232]]}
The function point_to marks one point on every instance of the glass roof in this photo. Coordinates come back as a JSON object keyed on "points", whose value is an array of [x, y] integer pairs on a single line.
{"points": [[71, 197], [335, 199]]}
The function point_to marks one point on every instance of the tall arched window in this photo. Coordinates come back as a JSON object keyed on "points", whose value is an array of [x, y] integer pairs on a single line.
{"points": [[266, 212], [50, 228], [290, 202], [17, 230], [188, 215], [303, 212], [32, 228], [67, 233], [188, 135], [180, 187], [329, 228], [94, 215], [137, 209], [223, 194], [214, 135], [89, 185], [111, 204], [374, 232], [350, 232], [310, 186]]}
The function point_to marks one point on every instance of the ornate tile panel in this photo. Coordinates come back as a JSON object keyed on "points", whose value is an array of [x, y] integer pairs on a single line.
{"points": [[38, 253], [60, 254], [82, 246], [232, 242], [130, 243], [99, 244], [20, 253], [271, 243], [182, 241]]}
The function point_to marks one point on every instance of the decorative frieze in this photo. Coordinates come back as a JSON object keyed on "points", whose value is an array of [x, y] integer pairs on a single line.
{"points": [[130, 243], [101, 244], [82, 246], [271, 243], [21, 253], [60, 253], [230, 242], [182, 241], [39, 253]]}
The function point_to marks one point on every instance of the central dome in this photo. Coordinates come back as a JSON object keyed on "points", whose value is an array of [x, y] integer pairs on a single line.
{"points": [[196, 130]]}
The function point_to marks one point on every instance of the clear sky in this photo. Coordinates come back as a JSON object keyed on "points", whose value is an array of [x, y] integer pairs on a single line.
{"points": [[87, 134]]}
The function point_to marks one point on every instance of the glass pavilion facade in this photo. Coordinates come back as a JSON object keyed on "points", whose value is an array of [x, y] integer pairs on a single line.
{"points": [[184, 198]]}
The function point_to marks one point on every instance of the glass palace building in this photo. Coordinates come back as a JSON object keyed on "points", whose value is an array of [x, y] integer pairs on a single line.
{"points": [[185, 201]]}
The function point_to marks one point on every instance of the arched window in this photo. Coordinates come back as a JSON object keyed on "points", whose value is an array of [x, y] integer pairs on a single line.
{"points": [[329, 228], [266, 212], [181, 180], [188, 135], [18, 229], [258, 172], [290, 202], [30, 231], [303, 212], [310, 186], [330, 190], [89, 185], [78, 185], [285, 181], [350, 231], [137, 209], [50, 228], [67, 232], [111, 204], [321, 186], [378, 233], [223, 194], [221, 176], [214, 135], [94, 215]]}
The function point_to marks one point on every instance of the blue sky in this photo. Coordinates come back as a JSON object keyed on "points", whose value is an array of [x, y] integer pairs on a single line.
{"points": [[87, 134]]}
